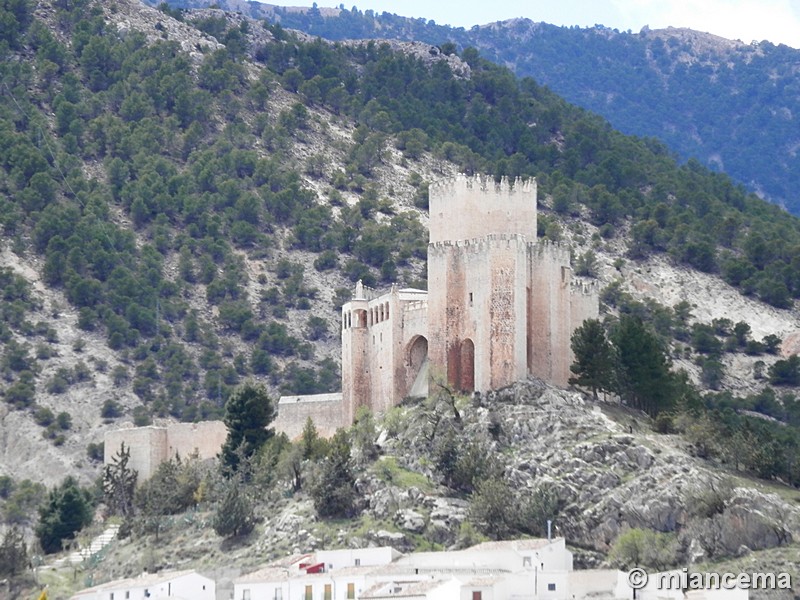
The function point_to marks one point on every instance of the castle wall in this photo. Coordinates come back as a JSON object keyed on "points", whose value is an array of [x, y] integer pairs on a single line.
{"points": [[466, 208], [476, 297], [326, 410], [205, 439], [356, 379], [584, 303], [383, 336], [413, 346], [506, 353], [147, 445], [150, 446], [549, 320]]}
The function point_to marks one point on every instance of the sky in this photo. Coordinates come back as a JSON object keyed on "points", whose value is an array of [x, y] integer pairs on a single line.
{"points": [[777, 21]]}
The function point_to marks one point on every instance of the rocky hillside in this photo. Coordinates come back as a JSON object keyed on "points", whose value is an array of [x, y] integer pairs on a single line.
{"points": [[728, 103], [608, 469]]}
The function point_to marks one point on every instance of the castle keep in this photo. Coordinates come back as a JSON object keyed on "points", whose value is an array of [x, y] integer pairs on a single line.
{"points": [[500, 306]]}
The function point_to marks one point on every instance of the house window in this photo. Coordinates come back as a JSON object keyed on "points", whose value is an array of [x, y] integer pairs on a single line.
{"points": [[470, 298], [526, 561], [245, 594], [551, 587], [476, 595], [351, 591], [309, 593], [111, 596], [358, 562], [278, 593], [327, 591]]}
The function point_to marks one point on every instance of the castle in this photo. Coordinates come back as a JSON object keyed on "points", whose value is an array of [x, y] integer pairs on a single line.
{"points": [[500, 306]]}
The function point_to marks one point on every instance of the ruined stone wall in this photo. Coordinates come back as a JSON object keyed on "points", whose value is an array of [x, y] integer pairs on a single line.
{"points": [[465, 208], [326, 410], [147, 445], [205, 439], [150, 446]]}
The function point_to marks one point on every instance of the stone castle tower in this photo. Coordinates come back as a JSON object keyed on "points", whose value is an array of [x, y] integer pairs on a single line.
{"points": [[500, 305]]}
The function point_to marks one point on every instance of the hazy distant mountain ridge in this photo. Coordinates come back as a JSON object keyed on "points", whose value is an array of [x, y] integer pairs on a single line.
{"points": [[731, 105]]}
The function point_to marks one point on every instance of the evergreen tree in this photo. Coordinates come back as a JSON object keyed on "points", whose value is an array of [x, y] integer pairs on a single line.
{"points": [[364, 434], [66, 512], [248, 412], [594, 357], [334, 491], [235, 514], [311, 445], [13, 553], [644, 379], [119, 483], [491, 509]]}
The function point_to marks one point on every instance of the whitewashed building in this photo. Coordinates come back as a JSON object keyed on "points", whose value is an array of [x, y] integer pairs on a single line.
{"points": [[535, 569], [176, 585], [521, 569]]}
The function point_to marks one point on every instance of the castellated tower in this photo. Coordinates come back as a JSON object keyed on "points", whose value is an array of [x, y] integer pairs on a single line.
{"points": [[478, 281], [500, 305]]}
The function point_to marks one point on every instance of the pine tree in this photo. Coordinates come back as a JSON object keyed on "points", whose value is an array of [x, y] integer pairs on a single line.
{"points": [[248, 412], [643, 377], [594, 357], [235, 513], [66, 512], [13, 553], [311, 444], [334, 491], [119, 483]]}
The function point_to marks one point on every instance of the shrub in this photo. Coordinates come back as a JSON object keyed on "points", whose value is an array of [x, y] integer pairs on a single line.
{"points": [[644, 548], [95, 451], [111, 409]]}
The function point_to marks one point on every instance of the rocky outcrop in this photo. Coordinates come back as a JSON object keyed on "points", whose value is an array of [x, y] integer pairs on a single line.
{"points": [[610, 474]]}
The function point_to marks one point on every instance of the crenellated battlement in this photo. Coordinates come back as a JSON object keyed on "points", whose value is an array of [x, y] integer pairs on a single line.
{"points": [[463, 208], [548, 250], [584, 287], [415, 306], [482, 244], [461, 184]]}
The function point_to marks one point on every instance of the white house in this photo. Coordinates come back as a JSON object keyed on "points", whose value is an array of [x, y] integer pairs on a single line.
{"points": [[521, 569], [178, 585]]}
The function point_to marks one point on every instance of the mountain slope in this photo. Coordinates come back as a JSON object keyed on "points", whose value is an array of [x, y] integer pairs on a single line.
{"points": [[196, 196], [186, 200], [731, 105]]}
